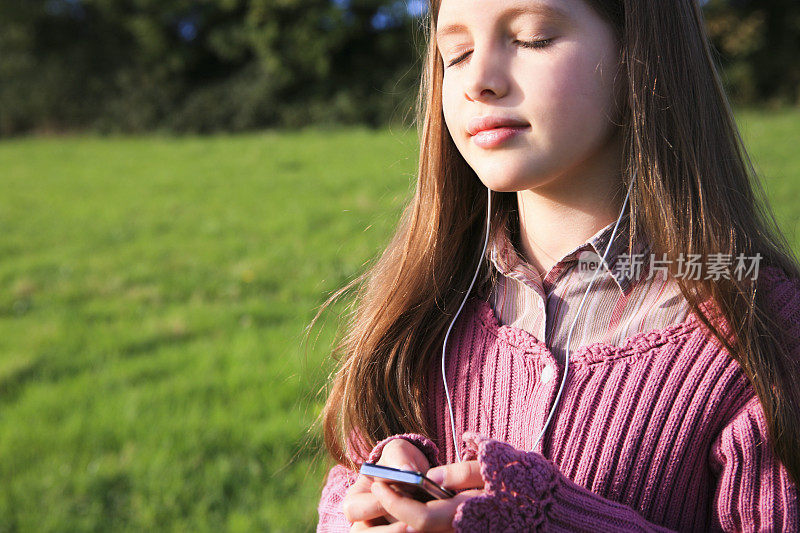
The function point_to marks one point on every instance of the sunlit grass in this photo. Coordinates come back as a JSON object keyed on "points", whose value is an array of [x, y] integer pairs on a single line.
{"points": [[153, 295]]}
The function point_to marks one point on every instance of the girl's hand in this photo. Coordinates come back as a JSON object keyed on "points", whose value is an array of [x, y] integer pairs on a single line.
{"points": [[361, 506], [435, 515]]}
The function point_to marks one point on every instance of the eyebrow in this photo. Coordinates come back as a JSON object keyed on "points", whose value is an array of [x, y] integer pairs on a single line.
{"points": [[546, 11]]}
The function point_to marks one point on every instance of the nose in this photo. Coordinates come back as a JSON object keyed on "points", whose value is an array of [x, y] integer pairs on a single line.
{"points": [[485, 74]]}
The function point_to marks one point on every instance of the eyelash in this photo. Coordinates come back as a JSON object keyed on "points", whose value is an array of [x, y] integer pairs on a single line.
{"points": [[525, 44]]}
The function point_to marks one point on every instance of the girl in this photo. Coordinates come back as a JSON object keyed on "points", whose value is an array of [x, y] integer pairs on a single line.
{"points": [[625, 356]]}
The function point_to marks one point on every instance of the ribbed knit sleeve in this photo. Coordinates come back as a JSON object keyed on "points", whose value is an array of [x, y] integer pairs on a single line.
{"points": [[754, 492], [340, 478]]}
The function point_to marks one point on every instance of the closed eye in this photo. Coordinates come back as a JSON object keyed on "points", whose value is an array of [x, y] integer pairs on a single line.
{"points": [[525, 44], [535, 44]]}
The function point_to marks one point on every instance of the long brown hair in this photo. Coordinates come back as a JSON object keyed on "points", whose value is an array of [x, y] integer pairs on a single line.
{"points": [[695, 191]]}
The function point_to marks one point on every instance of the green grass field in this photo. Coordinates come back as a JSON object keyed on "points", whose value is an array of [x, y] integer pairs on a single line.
{"points": [[153, 295]]}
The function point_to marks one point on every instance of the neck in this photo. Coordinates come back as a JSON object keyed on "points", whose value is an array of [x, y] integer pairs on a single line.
{"points": [[561, 215]]}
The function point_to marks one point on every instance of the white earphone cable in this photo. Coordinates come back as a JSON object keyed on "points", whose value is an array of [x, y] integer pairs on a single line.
{"points": [[569, 334], [447, 335], [575, 321]]}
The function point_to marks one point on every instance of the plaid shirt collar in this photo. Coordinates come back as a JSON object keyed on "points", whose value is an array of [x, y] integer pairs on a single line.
{"points": [[621, 264]]}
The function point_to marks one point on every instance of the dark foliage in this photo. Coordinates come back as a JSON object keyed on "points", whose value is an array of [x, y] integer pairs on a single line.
{"points": [[233, 65]]}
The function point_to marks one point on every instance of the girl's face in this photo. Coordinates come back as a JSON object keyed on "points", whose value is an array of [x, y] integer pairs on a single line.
{"points": [[560, 90]]}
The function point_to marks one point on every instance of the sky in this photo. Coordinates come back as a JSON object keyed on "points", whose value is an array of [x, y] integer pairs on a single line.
{"points": [[385, 17]]}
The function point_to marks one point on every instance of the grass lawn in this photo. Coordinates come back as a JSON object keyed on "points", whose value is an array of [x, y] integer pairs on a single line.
{"points": [[153, 295]]}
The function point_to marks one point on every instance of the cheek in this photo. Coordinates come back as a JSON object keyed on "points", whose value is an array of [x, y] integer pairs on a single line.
{"points": [[447, 100], [573, 95], [453, 116]]}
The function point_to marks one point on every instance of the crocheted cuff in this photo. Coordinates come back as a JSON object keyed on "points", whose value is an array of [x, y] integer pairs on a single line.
{"points": [[519, 488], [524, 491], [425, 445]]}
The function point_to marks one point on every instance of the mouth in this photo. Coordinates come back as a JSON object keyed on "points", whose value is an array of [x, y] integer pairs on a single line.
{"points": [[477, 125], [495, 137]]}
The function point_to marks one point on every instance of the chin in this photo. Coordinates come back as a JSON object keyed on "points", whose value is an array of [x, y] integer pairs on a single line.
{"points": [[508, 183], [505, 185]]}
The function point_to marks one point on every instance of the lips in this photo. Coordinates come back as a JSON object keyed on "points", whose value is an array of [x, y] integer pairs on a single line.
{"points": [[478, 124]]}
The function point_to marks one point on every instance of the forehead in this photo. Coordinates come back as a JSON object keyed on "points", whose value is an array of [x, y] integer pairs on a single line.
{"points": [[454, 15]]}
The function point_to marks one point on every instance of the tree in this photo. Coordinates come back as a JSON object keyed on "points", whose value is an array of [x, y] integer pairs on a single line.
{"points": [[758, 42]]}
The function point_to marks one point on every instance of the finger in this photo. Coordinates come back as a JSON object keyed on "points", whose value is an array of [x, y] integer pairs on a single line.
{"points": [[362, 506], [382, 521], [464, 475], [400, 452], [396, 505], [441, 513], [362, 484], [435, 515], [466, 495], [397, 527]]}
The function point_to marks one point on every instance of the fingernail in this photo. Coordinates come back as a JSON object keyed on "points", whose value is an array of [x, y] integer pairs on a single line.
{"points": [[436, 475], [410, 529], [408, 467]]}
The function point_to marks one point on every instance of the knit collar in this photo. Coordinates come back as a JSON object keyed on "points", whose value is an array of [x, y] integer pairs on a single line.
{"points": [[480, 311]]}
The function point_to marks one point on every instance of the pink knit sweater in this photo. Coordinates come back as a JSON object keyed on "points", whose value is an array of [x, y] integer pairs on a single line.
{"points": [[662, 433]]}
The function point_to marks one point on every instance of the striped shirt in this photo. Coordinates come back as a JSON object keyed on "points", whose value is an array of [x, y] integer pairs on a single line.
{"points": [[625, 298]]}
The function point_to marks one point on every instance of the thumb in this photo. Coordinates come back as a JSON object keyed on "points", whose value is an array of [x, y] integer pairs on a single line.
{"points": [[464, 475]]}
